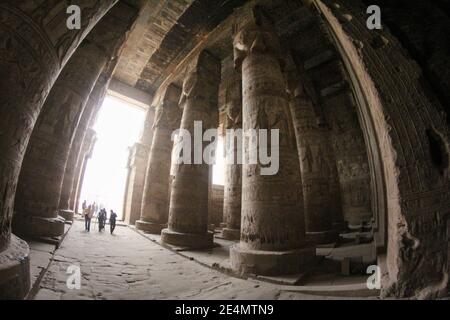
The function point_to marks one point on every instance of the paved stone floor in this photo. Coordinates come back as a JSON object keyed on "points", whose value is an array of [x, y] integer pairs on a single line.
{"points": [[127, 265]]}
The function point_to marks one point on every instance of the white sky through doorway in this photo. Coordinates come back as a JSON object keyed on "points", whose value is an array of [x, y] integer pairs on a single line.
{"points": [[118, 127]]}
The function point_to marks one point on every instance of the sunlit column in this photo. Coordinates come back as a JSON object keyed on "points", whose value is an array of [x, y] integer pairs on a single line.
{"points": [[233, 158], [155, 202]]}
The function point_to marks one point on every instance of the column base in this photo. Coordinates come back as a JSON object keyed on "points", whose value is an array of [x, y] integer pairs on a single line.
{"points": [[190, 240], [322, 237], [150, 227], [270, 263], [38, 227], [67, 214], [231, 234], [340, 226], [223, 225], [15, 270]]}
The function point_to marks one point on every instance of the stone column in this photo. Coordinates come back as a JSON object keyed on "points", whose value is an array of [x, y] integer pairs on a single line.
{"points": [[95, 101], [155, 203], [233, 164], [35, 44], [41, 176], [79, 147], [215, 206], [317, 164], [352, 161], [139, 160], [272, 224], [92, 106], [135, 188], [188, 213], [86, 153]]}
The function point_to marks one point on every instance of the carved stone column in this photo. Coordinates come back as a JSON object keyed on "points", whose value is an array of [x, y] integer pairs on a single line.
{"points": [[35, 44], [71, 164], [352, 162], [136, 170], [139, 156], [83, 135], [233, 166], [272, 225], [155, 203], [86, 153], [95, 101], [317, 165], [188, 213], [41, 176]]}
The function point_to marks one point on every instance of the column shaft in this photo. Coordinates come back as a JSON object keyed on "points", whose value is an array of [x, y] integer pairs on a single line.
{"points": [[188, 213], [233, 166], [66, 201], [85, 154], [155, 202], [137, 165], [272, 224], [41, 176], [79, 147], [317, 165], [36, 44]]}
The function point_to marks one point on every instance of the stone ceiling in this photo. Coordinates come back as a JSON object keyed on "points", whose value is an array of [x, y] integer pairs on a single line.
{"points": [[169, 31], [166, 31]]}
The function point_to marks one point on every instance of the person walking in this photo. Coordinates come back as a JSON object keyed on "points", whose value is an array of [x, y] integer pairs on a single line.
{"points": [[87, 218], [112, 221], [101, 219]]}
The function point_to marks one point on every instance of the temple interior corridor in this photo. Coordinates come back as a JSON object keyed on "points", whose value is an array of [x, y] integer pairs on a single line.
{"points": [[276, 149]]}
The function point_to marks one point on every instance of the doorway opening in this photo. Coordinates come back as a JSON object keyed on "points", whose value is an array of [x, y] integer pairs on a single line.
{"points": [[118, 127]]}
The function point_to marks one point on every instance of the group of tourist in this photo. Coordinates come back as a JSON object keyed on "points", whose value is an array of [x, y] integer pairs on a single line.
{"points": [[91, 211]]}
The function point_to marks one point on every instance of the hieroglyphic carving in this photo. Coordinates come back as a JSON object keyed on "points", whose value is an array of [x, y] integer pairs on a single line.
{"points": [[52, 136], [264, 225], [316, 162]]}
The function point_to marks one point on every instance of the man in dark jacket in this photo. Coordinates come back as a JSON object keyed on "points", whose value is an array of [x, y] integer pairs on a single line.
{"points": [[102, 219], [112, 221]]}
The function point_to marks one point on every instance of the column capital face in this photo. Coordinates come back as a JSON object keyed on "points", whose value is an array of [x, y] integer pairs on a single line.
{"points": [[233, 105], [197, 81], [294, 86], [91, 134], [255, 34], [139, 148], [198, 84], [168, 113]]}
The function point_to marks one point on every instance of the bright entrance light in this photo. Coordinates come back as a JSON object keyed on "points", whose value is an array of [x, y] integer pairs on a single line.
{"points": [[118, 127]]}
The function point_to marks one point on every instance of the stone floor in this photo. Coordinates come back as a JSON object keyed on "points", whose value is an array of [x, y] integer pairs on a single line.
{"points": [[128, 265]]}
